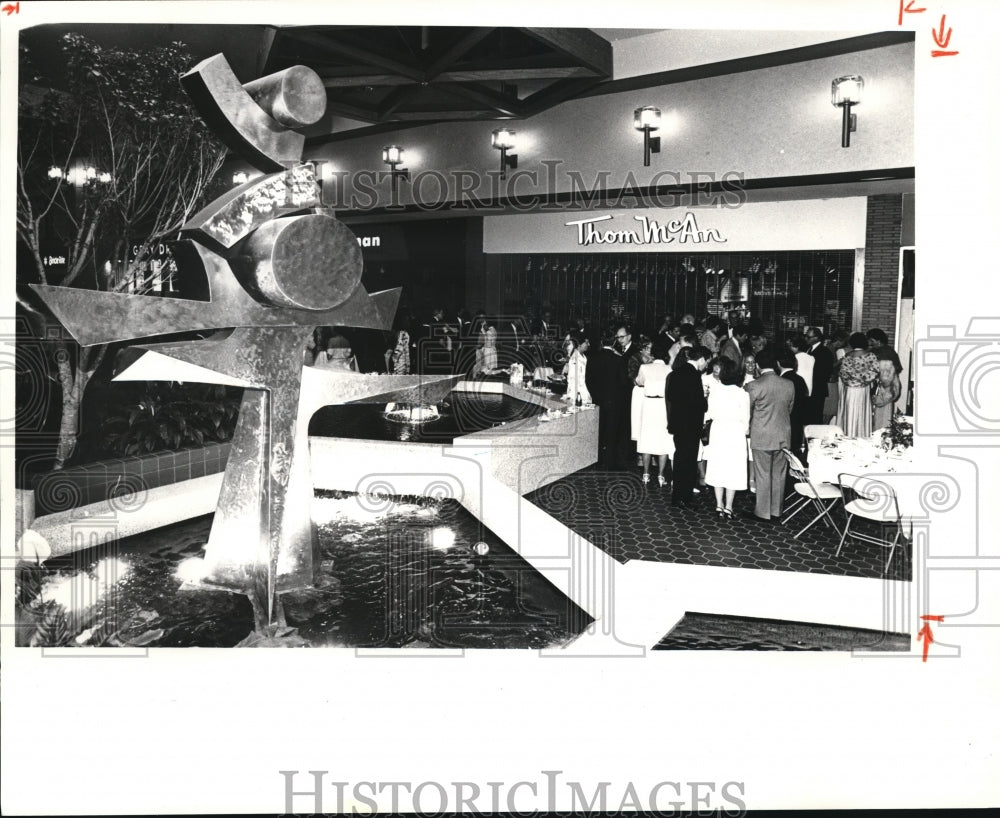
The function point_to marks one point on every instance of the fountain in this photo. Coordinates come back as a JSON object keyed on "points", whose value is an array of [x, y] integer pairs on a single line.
{"points": [[410, 413]]}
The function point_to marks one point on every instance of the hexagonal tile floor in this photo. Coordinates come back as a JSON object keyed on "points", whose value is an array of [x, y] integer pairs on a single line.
{"points": [[629, 520]]}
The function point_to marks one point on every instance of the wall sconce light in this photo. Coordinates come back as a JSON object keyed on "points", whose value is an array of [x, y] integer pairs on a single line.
{"points": [[647, 120], [392, 155], [56, 173], [240, 177], [503, 140], [846, 91]]}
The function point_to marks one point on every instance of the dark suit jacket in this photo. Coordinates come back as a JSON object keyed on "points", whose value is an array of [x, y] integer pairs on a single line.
{"points": [[771, 400], [822, 370], [686, 399], [799, 406], [730, 349], [604, 376]]}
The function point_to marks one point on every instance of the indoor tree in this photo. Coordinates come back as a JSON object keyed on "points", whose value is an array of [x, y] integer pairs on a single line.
{"points": [[112, 160]]}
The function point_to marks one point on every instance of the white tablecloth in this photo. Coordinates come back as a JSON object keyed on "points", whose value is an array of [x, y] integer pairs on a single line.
{"points": [[831, 457]]}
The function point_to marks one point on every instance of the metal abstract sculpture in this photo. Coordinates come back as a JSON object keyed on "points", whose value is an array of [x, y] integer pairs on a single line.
{"points": [[277, 265]]}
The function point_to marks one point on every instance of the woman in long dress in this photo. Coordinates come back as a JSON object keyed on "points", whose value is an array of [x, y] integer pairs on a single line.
{"points": [[726, 453], [858, 370], [634, 362], [653, 437], [575, 369], [887, 391]]}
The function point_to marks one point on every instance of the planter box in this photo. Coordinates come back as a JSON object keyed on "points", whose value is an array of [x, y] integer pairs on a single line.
{"points": [[104, 480]]}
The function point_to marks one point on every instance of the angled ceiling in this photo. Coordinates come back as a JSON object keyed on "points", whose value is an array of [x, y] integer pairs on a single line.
{"points": [[381, 74]]}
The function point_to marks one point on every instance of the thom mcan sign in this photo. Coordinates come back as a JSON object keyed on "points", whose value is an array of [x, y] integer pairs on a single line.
{"points": [[606, 230]]}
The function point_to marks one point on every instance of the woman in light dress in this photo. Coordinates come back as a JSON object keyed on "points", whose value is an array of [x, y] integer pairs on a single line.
{"points": [[486, 354], [858, 370], [887, 391], [575, 369], [634, 362], [726, 453], [398, 358], [653, 438]]}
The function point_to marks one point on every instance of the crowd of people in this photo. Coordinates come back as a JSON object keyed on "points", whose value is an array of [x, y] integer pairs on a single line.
{"points": [[718, 404]]}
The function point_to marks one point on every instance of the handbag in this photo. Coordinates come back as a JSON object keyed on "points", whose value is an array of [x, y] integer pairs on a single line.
{"points": [[706, 432]]}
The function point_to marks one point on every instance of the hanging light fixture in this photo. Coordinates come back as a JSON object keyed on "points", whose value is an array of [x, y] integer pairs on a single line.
{"points": [[503, 141], [240, 177], [647, 120], [846, 91]]}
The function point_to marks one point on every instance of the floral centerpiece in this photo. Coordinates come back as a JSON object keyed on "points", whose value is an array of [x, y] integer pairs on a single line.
{"points": [[899, 433]]}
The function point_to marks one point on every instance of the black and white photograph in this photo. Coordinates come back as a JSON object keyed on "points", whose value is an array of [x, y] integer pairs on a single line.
{"points": [[559, 380]]}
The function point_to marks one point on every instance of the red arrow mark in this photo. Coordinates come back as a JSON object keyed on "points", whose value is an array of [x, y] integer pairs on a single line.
{"points": [[939, 35], [908, 10], [10, 9], [932, 618], [927, 636]]}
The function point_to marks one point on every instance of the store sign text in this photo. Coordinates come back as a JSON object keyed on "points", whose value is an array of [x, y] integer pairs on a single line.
{"points": [[370, 241], [682, 231]]}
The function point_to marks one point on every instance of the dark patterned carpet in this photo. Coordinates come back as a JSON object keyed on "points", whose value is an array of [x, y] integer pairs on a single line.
{"points": [[630, 521]]}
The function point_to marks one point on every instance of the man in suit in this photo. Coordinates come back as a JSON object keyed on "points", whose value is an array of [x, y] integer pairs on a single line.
{"points": [[630, 352], [437, 345], [787, 364], [771, 401], [741, 335], [604, 381], [686, 407], [822, 370]]}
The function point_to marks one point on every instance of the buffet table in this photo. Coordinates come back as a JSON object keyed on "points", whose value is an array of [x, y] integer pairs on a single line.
{"points": [[900, 469]]}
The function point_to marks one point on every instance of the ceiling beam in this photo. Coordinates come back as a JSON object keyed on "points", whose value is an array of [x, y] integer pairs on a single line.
{"points": [[456, 50], [361, 80], [515, 74], [357, 53], [450, 115], [581, 44], [351, 111], [393, 100], [554, 94], [508, 106]]}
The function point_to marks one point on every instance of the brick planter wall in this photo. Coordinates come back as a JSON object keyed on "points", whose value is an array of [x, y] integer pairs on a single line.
{"points": [[103, 480]]}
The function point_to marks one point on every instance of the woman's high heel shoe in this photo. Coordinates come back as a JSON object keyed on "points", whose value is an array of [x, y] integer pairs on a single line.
{"points": [[645, 478], [661, 480]]}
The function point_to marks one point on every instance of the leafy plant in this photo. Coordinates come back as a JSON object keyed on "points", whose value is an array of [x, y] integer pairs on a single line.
{"points": [[899, 434], [111, 161], [167, 416]]}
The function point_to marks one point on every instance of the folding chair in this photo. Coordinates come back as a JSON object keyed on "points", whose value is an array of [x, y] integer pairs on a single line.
{"points": [[872, 500], [817, 431], [822, 497]]}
